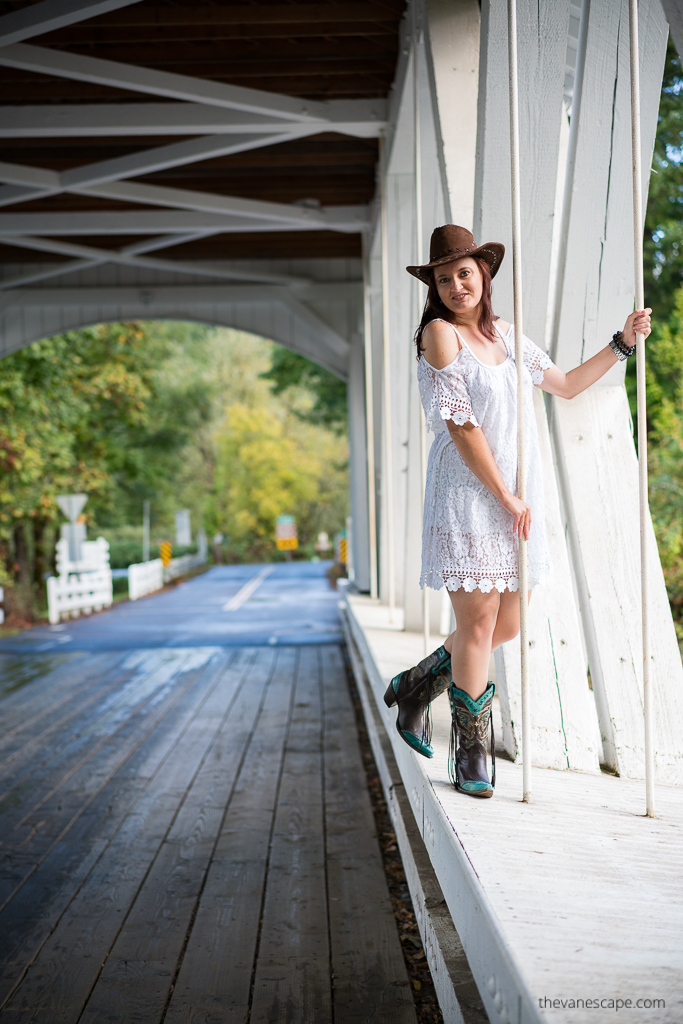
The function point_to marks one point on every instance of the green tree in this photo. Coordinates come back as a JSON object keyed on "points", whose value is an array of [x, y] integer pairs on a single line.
{"points": [[289, 371], [664, 217]]}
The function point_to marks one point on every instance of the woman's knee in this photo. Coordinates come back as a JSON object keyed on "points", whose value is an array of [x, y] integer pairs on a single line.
{"points": [[480, 627]]}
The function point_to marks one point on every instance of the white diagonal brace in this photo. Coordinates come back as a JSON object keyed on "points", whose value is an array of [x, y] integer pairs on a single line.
{"points": [[63, 269], [159, 83], [148, 222], [188, 199], [91, 120], [35, 177], [209, 202], [40, 183], [118, 256], [51, 15], [177, 154]]}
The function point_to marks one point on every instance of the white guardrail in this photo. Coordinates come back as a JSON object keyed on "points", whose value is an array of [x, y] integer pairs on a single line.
{"points": [[144, 578], [78, 592], [184, 564]]}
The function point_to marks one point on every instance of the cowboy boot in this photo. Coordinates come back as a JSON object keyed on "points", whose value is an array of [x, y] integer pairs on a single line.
{"points": [[413, 691], [467, 752]]}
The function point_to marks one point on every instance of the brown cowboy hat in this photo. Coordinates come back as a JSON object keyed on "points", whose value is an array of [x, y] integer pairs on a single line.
{"points": [[452, 242]]}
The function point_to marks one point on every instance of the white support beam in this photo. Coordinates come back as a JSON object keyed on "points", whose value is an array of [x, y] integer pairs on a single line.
{"points": [[593, 441], [31, 177], [452, 40], [91, 120], [50, 15], [334, 218], [126, 258], [177, 154], [146, 222], [188, 199], [543, 32], [178, 87]]}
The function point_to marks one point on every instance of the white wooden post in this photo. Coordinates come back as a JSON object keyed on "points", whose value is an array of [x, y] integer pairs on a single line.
{"points": [[388, 482], [369, 424], [358, 543], [519, 358], [642, 407]]}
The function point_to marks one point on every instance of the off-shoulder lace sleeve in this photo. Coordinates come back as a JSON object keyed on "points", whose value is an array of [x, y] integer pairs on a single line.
{"points": [[536, 361], [444, 396]]}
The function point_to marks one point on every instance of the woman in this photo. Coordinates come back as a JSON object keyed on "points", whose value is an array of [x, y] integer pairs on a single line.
{"points": [[472, 517]]}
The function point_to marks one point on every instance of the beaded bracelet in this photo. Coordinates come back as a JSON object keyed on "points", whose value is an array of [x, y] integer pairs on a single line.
{"points": [[620, 350]]}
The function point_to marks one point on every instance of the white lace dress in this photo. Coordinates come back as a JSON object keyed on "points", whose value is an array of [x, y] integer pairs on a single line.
{"points": [[467, 538]]}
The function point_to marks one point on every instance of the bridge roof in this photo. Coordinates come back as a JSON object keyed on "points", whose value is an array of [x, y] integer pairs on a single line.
{"points": [[274, 103]]}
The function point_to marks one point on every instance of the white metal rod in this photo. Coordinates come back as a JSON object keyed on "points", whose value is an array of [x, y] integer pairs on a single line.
{"points": [[642, 407], [369, 421], [426, 638], [519, 359], [388, 481]]}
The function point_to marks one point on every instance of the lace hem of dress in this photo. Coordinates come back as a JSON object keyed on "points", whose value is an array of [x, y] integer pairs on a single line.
{"points": [[470, 581]]}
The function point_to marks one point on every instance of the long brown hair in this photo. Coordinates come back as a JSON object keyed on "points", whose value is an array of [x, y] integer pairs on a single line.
{"points": [[435, 309]]}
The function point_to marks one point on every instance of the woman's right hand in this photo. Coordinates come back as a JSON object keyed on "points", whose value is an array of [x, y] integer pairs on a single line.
{"points": [[521, 510]]}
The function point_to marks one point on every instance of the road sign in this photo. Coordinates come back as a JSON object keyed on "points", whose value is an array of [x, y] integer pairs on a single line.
{"points": [[285, 533], [166, 552]]}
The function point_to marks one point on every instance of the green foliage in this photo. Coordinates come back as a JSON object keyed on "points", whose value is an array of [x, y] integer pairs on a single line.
{"points": [[665, 458], [663, 244], [664, 217], [289, 371], [180, 414]]}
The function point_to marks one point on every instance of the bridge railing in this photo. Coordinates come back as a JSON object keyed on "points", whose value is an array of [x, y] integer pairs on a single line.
{"points": [[144, 578]]}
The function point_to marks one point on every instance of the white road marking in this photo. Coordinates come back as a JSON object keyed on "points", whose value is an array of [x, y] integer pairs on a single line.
{"points": [[247, 590]]}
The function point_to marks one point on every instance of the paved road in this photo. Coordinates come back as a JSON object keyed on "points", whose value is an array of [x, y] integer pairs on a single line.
{"points": [[228, 606]]}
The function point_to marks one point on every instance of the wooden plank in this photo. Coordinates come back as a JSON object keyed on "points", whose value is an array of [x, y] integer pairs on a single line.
{"points": [[79, 767], [20, 670], [135, 982], [135, 808], [292, 980], [29, 747], [49, 691], [370, 979], [65, 805], [214, 982]]}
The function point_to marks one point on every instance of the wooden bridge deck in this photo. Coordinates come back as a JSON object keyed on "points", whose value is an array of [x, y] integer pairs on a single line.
{"points": [[186, 835]]}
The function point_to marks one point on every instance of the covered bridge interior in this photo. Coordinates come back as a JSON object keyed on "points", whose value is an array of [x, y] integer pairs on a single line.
{"points": [[212, 161], [274, 167]]}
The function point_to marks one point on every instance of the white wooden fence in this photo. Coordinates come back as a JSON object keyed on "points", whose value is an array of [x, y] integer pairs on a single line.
{"points": [[145, 578], [184, 564], [83, 586]]}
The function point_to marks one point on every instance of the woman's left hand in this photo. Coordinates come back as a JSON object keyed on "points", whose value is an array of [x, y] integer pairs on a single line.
{"points": [[637, 323]]}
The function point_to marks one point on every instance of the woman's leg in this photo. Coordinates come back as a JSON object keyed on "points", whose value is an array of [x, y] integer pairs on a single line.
{"points": [[476, 616], [507, 623]]}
